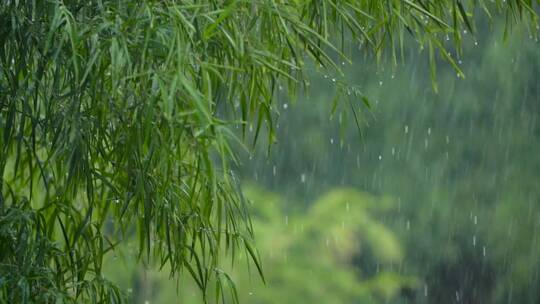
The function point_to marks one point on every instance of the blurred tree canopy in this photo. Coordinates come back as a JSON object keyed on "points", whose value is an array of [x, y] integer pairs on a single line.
{"points": [[117, 116], [461, 166]]}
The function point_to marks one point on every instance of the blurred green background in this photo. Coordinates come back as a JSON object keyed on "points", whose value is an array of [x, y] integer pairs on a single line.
{"points": [[435, 198]]}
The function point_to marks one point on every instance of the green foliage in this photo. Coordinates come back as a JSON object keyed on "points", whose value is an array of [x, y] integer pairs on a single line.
{"points": [[308, 254], [116, 120], [32, 264]]}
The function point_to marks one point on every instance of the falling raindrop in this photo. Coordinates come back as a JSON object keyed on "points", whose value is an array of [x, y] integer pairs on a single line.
{"points": [[406, 129], [380, 157], [285, 106], [303, 177]]}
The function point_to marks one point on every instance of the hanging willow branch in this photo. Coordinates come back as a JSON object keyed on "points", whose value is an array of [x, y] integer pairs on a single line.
{"points": [[110, 125]]}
